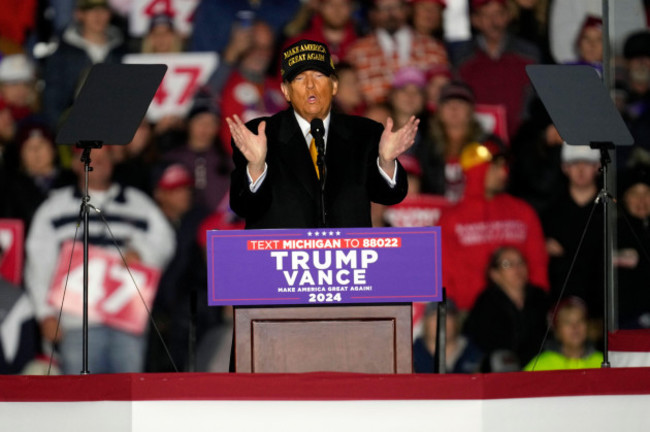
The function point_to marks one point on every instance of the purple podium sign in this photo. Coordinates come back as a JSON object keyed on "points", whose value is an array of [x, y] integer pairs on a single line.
{"points": [[324, 266]]}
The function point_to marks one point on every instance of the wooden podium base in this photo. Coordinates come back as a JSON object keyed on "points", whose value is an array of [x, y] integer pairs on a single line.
{"points": [[346, 338]]}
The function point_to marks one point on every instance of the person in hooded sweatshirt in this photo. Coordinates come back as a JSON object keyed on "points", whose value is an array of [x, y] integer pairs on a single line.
{"points": [[89, 40], [486, 218]]}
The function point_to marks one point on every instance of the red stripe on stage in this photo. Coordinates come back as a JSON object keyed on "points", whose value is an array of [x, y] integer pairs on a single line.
{"points": [[323, 386], [630, 340]]}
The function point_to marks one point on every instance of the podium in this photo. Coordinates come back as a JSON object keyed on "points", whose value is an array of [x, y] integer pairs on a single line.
{"points": [[348, 338], [335, 300]]}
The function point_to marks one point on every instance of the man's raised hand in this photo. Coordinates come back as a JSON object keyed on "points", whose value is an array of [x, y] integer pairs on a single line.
{"points": [[392, 144], [252, 146]]}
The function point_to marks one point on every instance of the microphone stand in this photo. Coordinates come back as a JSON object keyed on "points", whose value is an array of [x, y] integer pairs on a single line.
{"points": [[318, 132], [322, 171]]}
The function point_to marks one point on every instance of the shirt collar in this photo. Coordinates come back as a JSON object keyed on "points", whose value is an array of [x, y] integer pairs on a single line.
{"points": [[482, 43], [399, 43], [305, 127]]}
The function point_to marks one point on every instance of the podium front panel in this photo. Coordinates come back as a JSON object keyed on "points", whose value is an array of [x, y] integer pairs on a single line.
{"points": [[368, 339]]}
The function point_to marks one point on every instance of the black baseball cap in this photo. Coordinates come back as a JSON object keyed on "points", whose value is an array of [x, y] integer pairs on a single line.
{"points": [[305, 55]]}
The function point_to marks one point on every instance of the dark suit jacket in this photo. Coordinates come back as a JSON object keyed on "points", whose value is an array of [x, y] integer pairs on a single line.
{"points": [[289, 197]]}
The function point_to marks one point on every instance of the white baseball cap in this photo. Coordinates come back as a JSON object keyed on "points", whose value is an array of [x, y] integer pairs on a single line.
{"points": [[579, 153], [16, 68]]}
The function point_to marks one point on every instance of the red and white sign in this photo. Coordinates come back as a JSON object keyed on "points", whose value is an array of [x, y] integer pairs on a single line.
{"points": [[416, 211], [493, 120], [185, 74], [143, 10], [113, 299], [12, 241]]}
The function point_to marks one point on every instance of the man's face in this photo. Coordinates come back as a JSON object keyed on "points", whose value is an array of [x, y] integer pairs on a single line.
{"points": [[492, 20], [17, 94], [259, 56], [102, 168], [174, 202], [95, 20], [310, 94], [427, 16], [389, 15], [581, 173], [639, 70], [336, 13], [590, 45]]}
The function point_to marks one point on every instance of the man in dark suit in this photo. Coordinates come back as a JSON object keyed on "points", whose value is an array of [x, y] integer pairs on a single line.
{"points": [[276, 184]]}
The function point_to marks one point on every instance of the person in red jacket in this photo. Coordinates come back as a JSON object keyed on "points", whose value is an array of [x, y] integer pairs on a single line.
{"points": [[484, 219]]}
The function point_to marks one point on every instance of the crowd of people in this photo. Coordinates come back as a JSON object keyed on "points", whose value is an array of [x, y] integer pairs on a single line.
{"points": [[518, 197]]}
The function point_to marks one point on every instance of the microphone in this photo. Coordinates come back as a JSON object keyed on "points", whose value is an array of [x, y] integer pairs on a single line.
{"points": [[318, 132]]}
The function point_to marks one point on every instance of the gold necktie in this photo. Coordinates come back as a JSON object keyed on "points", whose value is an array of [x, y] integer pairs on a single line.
{"points": [[314, 155]]}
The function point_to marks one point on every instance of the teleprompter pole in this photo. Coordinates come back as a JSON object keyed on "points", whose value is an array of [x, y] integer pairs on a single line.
{"points": [[604, 198], [87, 146]]}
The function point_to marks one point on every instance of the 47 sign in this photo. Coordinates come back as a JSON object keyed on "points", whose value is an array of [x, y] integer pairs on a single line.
{"points": [[185, 74], [114, 298]]}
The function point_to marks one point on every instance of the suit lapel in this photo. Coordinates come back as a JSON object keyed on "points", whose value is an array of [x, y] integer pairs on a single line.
{"points": [[295, 154], [338, 152]]}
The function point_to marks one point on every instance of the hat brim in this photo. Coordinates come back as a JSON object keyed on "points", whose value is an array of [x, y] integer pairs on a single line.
{"points": [[458, 95], [297, 70]]}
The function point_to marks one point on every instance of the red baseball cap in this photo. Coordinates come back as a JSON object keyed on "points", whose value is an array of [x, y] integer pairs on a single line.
{"points": [[479, 3], [175, 176]]}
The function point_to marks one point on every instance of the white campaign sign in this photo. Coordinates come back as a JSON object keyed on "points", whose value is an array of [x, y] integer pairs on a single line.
{"points": [[143, 10], [185, 74]]}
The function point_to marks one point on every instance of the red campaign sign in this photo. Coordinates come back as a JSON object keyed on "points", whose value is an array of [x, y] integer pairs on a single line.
{"points": [[416, 211], [12, 241], [113, 299]]}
